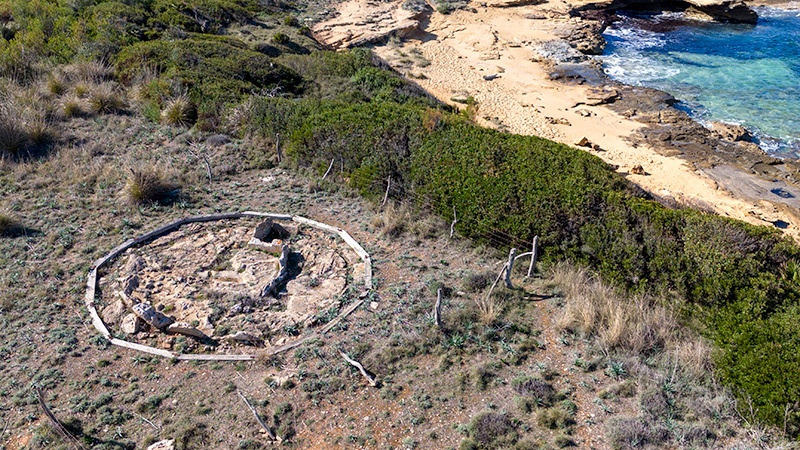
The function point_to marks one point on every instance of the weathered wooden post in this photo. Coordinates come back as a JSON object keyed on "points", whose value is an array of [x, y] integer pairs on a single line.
{"points": [[329, 169], [386, 195], [278, 147], [437, 309], [510, 265], [533, 255], [455, 221]]}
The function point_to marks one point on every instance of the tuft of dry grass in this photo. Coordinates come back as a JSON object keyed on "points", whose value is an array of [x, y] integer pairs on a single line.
{"points": [[636, 324], [73, 106], [392, 221], [489, 309], [180, 111], [8, 224], [147, 185], [56, 85], [88, 71], [105, 98], [23, 122], [13, 136]]}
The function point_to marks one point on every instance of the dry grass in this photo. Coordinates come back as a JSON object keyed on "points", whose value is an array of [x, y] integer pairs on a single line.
{"points": [[105, 98], [92, 72], [13, 136], [393, 220], [635, 324], [489, 309], [8, 224], [147, 185], [180, 111], [24, 120], [56, 85], [73, 106]]}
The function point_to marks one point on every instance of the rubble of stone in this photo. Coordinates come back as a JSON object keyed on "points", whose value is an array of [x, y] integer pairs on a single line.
{"points": [[204, 282]]}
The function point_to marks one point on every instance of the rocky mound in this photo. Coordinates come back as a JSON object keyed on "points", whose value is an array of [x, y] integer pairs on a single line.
{"points": [[362, 22], [733, 11]]}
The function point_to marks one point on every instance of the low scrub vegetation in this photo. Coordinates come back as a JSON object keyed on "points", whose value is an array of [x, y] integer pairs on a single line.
{"points": [[730, 273], [148, 185]]}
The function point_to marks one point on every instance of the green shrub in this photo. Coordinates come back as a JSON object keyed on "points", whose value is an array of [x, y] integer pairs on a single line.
{"points": [[554, 418], [215, 71], [280, 38], [203, 16], [112, 25], [730, 272]]}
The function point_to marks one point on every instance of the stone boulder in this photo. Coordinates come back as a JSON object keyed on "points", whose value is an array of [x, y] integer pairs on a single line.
{"points": [[731, 132], [114, 311], [733, 11], [131, 324], [134, 264], [510, 3], [130, 285], [269, 230], [168, 444], [186, 330], [152, 317]]}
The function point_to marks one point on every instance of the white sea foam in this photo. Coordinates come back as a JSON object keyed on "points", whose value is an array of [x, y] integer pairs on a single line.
{"points": [[634, 38], [712, 71], [769, 12]]}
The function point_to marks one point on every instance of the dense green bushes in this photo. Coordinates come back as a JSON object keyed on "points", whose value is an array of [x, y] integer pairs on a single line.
{"points": [[203, 16], [729, 272], [213, 71]]}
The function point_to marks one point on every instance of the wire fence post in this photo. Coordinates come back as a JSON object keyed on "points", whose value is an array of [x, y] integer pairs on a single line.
{"points": [[453, 224], [437, 309], [386, 195], [511, 256], [278, 147], [329, 169], [534, 252]]}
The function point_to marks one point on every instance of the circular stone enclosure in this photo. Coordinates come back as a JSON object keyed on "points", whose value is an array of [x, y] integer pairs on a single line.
{"points": [[216, 285]]}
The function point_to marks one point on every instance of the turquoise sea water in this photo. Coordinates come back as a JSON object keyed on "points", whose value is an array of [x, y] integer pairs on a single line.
{"points": [[743, 74]]}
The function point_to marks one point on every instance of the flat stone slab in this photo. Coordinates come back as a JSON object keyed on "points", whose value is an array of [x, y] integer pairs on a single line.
{"points": [[151, 316], [186, 330]]}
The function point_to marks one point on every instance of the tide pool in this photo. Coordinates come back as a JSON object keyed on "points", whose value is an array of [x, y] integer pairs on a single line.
{"points": [[743, 74]]}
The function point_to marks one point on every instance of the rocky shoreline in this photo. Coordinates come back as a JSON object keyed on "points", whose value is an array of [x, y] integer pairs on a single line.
{"points": [[669, 130], [561, 37]]}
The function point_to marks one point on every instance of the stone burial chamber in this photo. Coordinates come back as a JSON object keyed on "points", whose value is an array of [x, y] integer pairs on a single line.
{"points": [[217, 286]]}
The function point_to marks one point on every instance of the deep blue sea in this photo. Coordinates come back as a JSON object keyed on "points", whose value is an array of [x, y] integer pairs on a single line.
{"points": [[743, 74]]}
